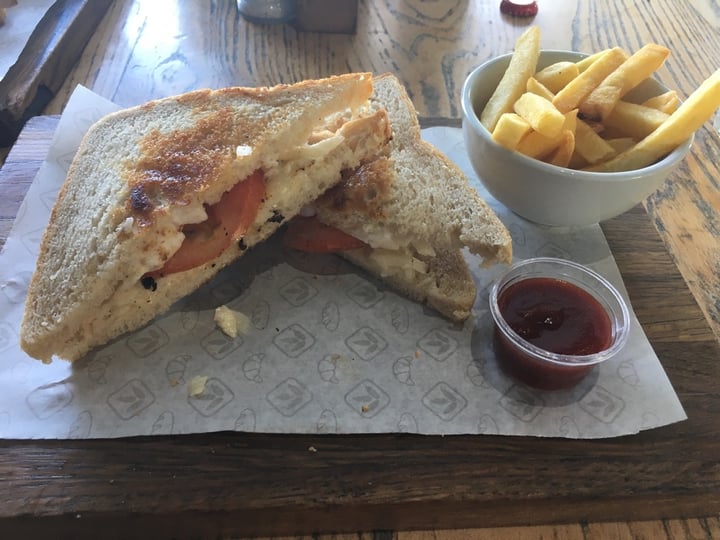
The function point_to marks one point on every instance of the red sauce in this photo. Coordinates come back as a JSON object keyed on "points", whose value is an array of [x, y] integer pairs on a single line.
{"points": [[555, 316]]}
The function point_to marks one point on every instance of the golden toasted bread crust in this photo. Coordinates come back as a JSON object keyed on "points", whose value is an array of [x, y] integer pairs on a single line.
{"points": [[418, 193], [414, 199], [142, 173]]}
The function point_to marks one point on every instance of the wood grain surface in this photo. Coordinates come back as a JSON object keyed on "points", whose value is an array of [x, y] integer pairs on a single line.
{"points": [[259, 485], [659, 484], [53, 47]]}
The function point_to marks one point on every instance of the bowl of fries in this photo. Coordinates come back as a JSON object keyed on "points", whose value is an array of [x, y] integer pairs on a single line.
{"points": [[553, 139]]}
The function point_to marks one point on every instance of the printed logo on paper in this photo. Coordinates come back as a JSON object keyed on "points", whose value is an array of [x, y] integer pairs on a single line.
{"points": [[131, 399], [298, 291], [81, 426], [175, 369], [331, 316], [47, 400], [407, 424], [400, 319], [294, 340], [245, 420], [260, 315], [218, 344], [327, 368], [365, 294], [164, 424], [147, 341], [214, 397], [251, 367], [601, 404], [327, 422], [522, 403], [366, 343], [367, 399], [289, 397], [438, 345], [97, 367], [444, 401], [402, 370]]}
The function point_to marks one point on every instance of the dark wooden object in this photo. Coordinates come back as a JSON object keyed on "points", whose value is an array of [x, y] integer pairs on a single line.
{"points": [[50, 53], [328, 16], [236, 484]]}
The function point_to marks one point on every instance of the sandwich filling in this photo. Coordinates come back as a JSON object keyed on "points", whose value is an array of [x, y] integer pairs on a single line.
{"points": [[357, 209], [167, 192], [389, 257]]}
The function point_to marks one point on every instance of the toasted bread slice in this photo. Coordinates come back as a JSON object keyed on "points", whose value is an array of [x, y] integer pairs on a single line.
{"points": [[418, 204], [144, 173]]}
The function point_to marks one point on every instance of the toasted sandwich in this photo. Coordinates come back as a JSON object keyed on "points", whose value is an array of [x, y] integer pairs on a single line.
{"points": [[162, 196], [407, 216]]}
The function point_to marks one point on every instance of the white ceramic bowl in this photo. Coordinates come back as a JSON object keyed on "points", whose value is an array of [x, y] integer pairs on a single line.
{"points": [[546, 193]]}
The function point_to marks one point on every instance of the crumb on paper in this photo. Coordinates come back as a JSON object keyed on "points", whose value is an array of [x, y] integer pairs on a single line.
{"points": [[231, 322], [197, 385], [174, 382], [417, 354], [312, 449], [364, 408]]}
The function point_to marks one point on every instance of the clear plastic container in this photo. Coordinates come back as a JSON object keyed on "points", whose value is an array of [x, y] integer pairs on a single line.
{"points": [[588, 297]]}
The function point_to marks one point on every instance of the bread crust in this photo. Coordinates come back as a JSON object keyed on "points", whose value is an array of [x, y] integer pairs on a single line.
{"points": [[420, 198], [419, 193], [143, 172]]}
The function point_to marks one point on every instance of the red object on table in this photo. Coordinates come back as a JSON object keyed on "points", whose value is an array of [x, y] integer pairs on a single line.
{"points": [[519, 9]]}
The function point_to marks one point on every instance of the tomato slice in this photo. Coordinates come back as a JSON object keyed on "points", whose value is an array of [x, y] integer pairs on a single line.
{"points": [[227, 221], [310, 235]]}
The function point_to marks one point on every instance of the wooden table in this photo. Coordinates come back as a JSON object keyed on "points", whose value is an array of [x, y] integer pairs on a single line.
{"points": [[660, 484]]}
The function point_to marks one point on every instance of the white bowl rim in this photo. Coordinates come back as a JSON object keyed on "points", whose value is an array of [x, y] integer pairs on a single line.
{"points": [[469, 115]]}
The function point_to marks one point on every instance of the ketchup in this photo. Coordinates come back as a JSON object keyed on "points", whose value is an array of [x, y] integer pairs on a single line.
{"points": [[555, 316]]}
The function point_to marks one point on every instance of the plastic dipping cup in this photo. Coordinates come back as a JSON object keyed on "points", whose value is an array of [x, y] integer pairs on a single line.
{"points": [[578, 299]]}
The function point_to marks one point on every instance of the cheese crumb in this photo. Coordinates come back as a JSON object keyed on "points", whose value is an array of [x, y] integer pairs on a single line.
{"points": [[231, 322], [197, 385], [243, 150], [126, 226]]}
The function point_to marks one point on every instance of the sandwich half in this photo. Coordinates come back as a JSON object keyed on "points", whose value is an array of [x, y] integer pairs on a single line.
{"points": [[162, 196], [407, 216]]}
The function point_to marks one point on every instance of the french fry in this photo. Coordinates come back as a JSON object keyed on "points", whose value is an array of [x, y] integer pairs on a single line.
{"points": [[667, 102], [509, 130], [693, 113], [537, 88], [580, 87], [577, 162], [585, 63], [638, 67], [512, 85], [590, 145], [572, 114], [538, 146], [634, 120], [540, 113], [557, 75], [620, 144], [562, 154]]}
